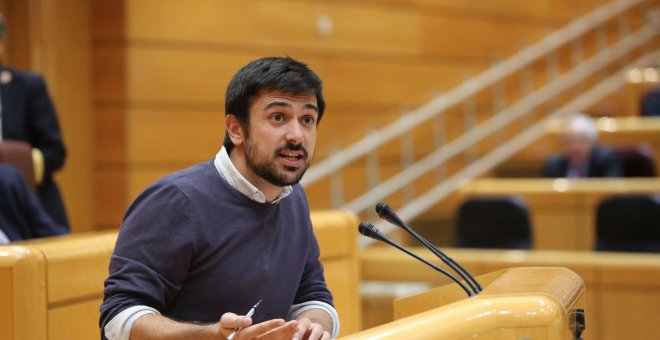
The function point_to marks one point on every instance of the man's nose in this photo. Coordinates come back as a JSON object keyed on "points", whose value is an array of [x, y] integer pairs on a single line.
{"points": [[294, 133]]}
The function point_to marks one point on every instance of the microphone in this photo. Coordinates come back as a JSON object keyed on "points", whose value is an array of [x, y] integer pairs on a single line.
{"points": [[385, 212], [367, 229]]}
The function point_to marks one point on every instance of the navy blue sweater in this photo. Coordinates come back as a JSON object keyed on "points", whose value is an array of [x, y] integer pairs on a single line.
{"points": [[21, 215], [193, 247]]}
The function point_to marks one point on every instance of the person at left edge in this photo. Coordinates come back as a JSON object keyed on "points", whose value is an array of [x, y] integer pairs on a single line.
{"points": [[202, 245], [27, 114], [21, 215]]}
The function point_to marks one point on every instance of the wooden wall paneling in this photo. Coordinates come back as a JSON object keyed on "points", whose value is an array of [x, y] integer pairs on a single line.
{"points": [[18, 34], [557, 11], [260, 25], [174, 135], [111, 194], [109, 84], [61, 51], [64, 322], [167, 76]]}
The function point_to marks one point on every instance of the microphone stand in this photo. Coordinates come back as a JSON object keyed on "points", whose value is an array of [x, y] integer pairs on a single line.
{"points": [[369, 230], [385, 212]]}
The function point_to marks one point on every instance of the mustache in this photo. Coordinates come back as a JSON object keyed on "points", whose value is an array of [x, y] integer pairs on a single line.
{"points": [[292, 147]]}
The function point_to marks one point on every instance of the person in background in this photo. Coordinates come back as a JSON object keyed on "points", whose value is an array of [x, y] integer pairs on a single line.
{"points": [[21, 216], [200, 247], [27, 114], [582, 156], [650, 102]]}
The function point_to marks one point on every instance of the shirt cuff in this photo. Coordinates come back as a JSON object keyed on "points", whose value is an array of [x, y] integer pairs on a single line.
{"points": [[297, 309], [119, 328]]}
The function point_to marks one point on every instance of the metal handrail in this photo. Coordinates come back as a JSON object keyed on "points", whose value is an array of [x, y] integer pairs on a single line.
{"points": [[420, 204], [524, 106], [467, 89]]}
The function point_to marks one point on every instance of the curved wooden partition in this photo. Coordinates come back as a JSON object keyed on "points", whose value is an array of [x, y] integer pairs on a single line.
{"points": [[517, 303]]}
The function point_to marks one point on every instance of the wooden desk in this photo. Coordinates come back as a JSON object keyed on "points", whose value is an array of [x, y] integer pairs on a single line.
{"points": [[563, 212], [622, 289], [517, 303]]}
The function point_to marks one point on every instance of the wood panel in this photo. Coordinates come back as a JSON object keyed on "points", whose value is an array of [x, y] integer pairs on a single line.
{"points": [[542, 12], [22, 280], [75, 321], [161, 77], [562, 212], [377, 30], [621, 288], [61, 51], [17, 47]]}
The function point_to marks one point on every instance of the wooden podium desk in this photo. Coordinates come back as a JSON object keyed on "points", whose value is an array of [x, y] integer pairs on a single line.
{"points": [[517, 303], [563, 212], [622, 289]]}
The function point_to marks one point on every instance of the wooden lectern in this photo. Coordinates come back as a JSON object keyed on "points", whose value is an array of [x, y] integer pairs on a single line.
{"points": [[518, 303]]}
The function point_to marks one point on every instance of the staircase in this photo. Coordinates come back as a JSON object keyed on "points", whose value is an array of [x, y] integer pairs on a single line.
{"points": [[466, 132]]}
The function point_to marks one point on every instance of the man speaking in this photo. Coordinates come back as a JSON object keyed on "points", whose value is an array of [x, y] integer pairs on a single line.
{"points": [[200, 247]]}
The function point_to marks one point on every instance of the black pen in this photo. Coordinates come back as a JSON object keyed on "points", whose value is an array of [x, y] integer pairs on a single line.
{"points": [[249, 314]]}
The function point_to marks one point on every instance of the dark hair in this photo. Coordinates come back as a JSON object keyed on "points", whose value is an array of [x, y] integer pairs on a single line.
{"points": [[282, 74]]}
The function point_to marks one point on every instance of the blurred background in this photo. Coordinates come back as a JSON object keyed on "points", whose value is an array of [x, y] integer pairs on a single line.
{"points": [[430, 102]]}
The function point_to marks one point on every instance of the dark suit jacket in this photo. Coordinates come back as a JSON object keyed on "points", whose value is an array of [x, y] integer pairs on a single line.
{"points": [[28, 115], [21, 216], [602, 163]]}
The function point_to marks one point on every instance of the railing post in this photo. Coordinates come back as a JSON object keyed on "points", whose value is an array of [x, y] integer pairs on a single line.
{"points": [[499, 103], [469, 122], [526, 79], [577, 56], [336, 184], [373, 165], [407, 158], [439, 139], [624, 30], [552, 72], [601, 44]]}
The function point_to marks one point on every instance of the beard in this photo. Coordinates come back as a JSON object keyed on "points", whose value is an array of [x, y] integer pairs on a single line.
{"points": [[267, 169]]}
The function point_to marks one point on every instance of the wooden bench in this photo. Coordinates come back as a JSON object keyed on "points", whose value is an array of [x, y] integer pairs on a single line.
{"points": [[52, 288]]}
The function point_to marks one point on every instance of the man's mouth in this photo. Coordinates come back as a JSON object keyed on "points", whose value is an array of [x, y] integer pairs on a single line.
{"points": [[292, 155]]}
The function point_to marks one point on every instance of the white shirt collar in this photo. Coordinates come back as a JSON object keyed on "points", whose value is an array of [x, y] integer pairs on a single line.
{"points": [[229, 172]]}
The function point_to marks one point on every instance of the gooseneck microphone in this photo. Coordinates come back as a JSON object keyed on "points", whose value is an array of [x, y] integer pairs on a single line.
{"points": [[368, 230], [385, 212]]}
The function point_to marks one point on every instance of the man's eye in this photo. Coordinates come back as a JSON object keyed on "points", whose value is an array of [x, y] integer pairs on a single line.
{"points": [[277, 117], [308, 120]]}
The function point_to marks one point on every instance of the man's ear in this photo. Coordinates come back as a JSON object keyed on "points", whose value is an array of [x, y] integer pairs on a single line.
{"points": [[234, 129]]}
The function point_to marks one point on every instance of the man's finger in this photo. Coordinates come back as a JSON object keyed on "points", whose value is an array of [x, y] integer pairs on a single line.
{"points": [[303, 326], [259, 329], [285, 331], [231, 320], [315, 332]]}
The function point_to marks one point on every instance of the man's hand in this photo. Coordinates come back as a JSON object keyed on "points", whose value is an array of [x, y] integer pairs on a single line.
{"points": [[268, 330], [308, 330]]}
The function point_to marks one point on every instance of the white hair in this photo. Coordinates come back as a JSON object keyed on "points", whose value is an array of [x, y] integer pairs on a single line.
{"points": [[582, 124]]}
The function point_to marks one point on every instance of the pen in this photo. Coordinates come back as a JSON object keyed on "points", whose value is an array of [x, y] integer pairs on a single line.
{"points": [[249, 314]]}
